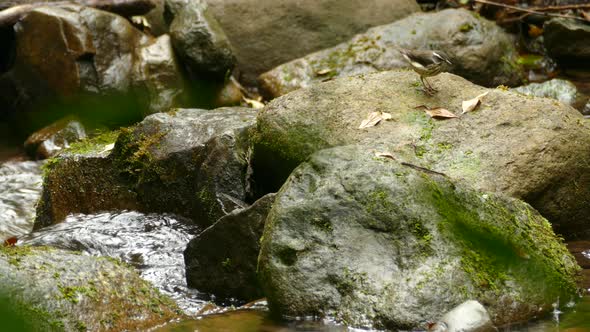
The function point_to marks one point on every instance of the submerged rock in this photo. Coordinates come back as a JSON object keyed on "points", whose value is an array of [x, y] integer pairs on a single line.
{"points": [[469, 316], [190, 162], [535, 149], [562, 90], [222, 259], [479, 51], [52, 139], [266, 33], [59, 290], [383, 244], [567, 41]]}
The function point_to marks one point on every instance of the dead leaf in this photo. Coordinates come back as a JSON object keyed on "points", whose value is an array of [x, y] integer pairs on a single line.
{"points": [[10, 242], [374, 118], [253, 103], [586, 15], [535, 31], [385, 155], [324, 71], [440, 113], [471, 104], [108, 147]]}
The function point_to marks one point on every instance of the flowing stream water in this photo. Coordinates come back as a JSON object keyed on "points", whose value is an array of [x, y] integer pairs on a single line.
{"points": [[154, 244]]}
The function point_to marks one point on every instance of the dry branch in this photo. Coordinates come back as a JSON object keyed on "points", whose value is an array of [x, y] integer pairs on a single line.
{"points": [[125, 8], [528, 10]]}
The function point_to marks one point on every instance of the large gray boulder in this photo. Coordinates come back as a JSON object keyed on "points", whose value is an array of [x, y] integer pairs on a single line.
{"points": [[222, 259], [479, 50], [58, 290], [536, 149], [68, 51], [267, 33], [379, 243], [190, 162]]}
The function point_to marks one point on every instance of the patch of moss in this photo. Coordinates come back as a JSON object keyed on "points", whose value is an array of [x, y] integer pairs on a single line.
{"points": [[466, 27], [94, 144], [495, 247], [15, 254], [134, 156], [73, 294], [322, 223]]}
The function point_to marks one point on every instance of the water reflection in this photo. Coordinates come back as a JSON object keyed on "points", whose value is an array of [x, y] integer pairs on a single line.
{"points": [[20, 188], [153, 243]]}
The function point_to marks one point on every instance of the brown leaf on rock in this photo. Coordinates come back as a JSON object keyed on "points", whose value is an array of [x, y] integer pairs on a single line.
{"points": [[437, 112], [440, 113], [471, 104], [373, 119], [586, 15], [385, 155]]}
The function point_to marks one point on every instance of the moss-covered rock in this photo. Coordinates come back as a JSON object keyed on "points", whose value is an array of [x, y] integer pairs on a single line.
{"points": [[536, 149], [479, 50], [57, 290], [48, 141], [190, 162], [381, 243]]}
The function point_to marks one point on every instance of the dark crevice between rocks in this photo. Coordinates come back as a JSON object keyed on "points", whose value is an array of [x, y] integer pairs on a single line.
{"points": [[8, 50]]}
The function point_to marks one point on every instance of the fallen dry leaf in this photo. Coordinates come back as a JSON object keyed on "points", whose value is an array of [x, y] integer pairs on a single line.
{"points": [[373, 119], [471, 104], [586, 15], [437, 112], [322, 72], [108, 147], [253, 103], [385, 155], [440, 113]]}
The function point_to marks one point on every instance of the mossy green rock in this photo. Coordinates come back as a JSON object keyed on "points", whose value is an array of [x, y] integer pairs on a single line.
{"points": [[57, 290], [190, 162], [535, 149], [482, 53], [378, 243]]}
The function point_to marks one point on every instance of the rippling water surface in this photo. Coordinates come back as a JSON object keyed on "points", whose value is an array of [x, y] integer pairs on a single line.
{"points": [[20, 188], [153, 243]]}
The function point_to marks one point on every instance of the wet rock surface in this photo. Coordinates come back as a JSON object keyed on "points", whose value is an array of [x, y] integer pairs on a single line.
{"points": [[567, 41], [266, 33], [479, 50], [62, 290], [199, 39], [151, 243], [376, 243], [562, 90], [190, 162], [52, 139], [63, 52], [526, 147], [222, 259]]}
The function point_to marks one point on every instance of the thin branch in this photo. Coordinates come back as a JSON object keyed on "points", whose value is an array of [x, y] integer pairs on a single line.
{"points": [[526, 10], [126, 8]]}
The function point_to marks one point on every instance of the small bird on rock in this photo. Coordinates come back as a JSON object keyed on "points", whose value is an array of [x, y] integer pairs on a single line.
{"points": [[426, 64]]}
